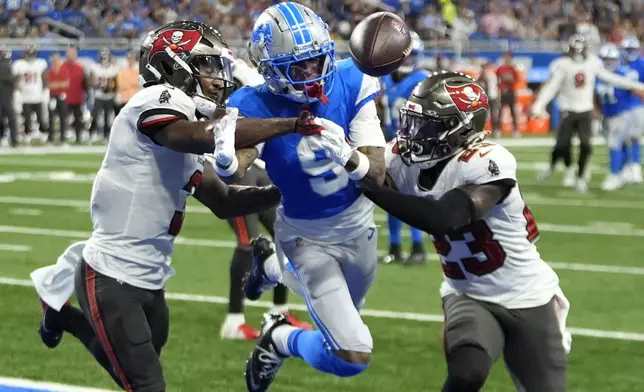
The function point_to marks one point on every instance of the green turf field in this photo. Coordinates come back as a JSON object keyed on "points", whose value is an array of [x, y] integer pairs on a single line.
{"points": [[593, 241]]}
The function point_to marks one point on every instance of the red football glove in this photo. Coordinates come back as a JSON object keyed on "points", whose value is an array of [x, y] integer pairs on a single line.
{"points": [[306, 124]]}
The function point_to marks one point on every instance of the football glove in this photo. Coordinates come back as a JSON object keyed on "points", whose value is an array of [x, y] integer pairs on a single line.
{"points": [[334, 141], [306, 124]]}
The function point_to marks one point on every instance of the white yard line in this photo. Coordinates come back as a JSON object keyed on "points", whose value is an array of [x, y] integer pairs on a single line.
{"points": [[20, 383], [596, 333], [231, 244], [15, 248]]}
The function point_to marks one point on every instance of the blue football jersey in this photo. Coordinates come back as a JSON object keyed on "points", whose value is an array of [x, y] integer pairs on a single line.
{"points": [[638, 66], [312, 186], [614, 101], [395, 94]]}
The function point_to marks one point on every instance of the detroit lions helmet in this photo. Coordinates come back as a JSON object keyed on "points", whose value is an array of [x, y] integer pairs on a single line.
{"points": [[417, 48], [631, 47], [610, 56], [291, 47]]}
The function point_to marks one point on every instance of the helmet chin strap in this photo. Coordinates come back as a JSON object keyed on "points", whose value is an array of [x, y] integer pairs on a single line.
{"points": [[205, 105]]}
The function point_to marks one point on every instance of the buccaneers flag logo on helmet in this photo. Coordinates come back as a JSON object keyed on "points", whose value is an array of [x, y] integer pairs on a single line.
{"points": [[468, 97], [179, 41]]}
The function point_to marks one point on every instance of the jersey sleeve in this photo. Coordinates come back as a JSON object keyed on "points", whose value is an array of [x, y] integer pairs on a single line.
{"points": [[162, 106], [369, 90], [364, 129], [487, 162]]}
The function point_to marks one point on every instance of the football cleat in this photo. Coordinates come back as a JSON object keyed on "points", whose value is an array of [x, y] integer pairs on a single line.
{"points": [[416, 258], [265, 361], [254, 281], [242, 331], [49, 332], [297, 323]]}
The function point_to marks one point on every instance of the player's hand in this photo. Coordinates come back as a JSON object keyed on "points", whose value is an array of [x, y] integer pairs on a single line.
{"points": [[639, 93], [536, 112], [334, 141], [306, 125], [224, 131]]}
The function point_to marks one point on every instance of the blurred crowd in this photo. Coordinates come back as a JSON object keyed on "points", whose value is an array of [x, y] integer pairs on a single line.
{"points": [[433, 19]]}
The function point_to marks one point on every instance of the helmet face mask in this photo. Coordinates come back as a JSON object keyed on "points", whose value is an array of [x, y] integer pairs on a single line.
{"points": [[292, 49], [610, 56], [445, 113]]}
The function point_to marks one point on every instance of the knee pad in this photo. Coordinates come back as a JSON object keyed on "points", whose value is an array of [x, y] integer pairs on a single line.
{"points": [[467, 369]]}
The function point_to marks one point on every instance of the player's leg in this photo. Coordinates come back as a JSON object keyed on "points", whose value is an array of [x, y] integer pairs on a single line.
{"points": [[12, 123], [97, 109], [534, 351], [42, 124], [417, 255], [27, 110], [158, 316], [108, 115], [61, 110], [561, 150], [635, 146], [473, 340], [116, 312], [584, 128], [235, 326], [513, 113], [615, 141], [77, 112], [342, 346], [395, 249]]}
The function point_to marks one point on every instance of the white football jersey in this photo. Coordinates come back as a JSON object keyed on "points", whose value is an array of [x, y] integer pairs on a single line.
{"points": [[494, 259], [30, 83], [140, 191], [106, 79]]}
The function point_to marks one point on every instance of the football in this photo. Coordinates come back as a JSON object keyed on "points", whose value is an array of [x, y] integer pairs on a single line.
{"points": [[380, 43]]}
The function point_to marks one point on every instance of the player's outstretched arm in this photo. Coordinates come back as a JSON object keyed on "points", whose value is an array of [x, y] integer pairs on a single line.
{"points": [[245, 158], [375, 171], [549, 90], [457, 208], [229, 201], [620, 81]]}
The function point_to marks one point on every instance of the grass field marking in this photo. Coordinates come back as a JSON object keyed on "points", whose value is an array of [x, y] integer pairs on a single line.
{"points": [[231, 244], [26, 211], [387, 314], [21, 384], [15, 248], [69, 163]]}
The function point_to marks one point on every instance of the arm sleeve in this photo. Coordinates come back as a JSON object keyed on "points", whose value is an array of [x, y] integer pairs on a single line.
{"points": [[364, 129], [551, 88]]}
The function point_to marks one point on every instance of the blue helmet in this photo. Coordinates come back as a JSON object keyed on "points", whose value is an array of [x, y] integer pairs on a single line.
{"points": [[417, 48], [610, 55], [292, 49], [631, 47]]}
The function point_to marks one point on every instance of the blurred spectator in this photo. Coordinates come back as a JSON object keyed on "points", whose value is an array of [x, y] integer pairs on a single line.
{"points": [[76, 91], [58, 79], [127, 82], [586, 28], [489, 81], [508, 77], [18, 24]]}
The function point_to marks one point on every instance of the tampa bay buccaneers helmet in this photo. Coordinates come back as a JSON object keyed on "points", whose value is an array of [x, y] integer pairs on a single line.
{"points": [[445, 113], [576, 47], [182, 52]]}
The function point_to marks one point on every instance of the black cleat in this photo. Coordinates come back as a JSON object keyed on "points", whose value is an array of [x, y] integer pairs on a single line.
{"points": [[49, 332], [265, 361], [416, 258], [255, 279]]}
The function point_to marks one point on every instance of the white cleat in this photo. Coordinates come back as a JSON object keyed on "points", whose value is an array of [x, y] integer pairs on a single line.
{"points": [[612, 182], [544, 175], [636, 173], [581, 186], [570, 179]]}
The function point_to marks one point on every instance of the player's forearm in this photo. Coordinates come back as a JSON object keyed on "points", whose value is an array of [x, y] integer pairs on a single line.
{"points": [[455, 209], [245, 158], [619, 81], [546, 94], [376, 172], [188, 137], [242, 200], [251, 132]]}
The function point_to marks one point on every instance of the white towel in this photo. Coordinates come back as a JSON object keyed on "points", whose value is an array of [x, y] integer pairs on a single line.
{"points": [[562, 307], [55, 283]]}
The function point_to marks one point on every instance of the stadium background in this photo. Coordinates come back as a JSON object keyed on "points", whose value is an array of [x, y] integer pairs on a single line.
{"points": [[593, 241]]}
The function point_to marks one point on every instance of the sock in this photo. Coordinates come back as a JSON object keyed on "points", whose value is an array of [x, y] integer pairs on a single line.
{"points": [[394, 230], [273, 269], [240, 265], [280, 337], [280, 294], [235, 318], [616, 160], [636, 151], [416, 238], [279, 309], [310, 346]]}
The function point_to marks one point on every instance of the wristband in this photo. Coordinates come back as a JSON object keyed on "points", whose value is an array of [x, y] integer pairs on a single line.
{"points": [[362, 169], [228, 170]]}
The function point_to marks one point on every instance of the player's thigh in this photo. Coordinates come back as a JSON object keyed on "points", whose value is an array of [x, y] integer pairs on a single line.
{"points": [[585, 126], [115, 311], [246, 228], [616, 134], [358, 261], [326, 293], [158, 315], [566, 129], [469, 323], [534, 350]]}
